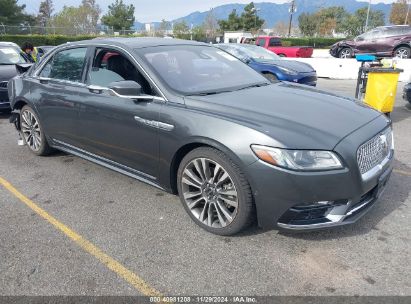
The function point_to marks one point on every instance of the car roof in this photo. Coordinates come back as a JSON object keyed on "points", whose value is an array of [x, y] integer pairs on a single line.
{"points": [[393, 26], [140, 42], [4, 43]]}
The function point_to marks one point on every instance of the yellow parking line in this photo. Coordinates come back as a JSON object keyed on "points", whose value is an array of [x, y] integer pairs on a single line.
{"points": [[402, 172], [133, 279]]}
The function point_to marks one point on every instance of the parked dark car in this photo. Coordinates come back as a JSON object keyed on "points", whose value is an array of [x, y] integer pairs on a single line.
{"points": [[10, 55], [272, 66], [383, 41], [190, 119], [407, 92]]}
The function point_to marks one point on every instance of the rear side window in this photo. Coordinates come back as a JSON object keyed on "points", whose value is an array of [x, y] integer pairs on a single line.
{"points": [[274, 42], [66, 65]]}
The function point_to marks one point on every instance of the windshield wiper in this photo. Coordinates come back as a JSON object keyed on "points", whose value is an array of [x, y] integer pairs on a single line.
{"points": [[256, 85], [208, 93]]}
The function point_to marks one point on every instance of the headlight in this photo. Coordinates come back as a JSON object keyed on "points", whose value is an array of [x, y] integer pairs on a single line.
{"points": [[288, 71], [303, 160]]}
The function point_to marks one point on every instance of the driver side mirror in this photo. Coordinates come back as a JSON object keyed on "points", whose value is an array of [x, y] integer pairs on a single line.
{"points": [[125, 88], [359, 38]]}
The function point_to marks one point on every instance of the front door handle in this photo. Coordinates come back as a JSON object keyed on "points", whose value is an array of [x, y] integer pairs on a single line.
{"points": [[96, 89], [44, 80]]}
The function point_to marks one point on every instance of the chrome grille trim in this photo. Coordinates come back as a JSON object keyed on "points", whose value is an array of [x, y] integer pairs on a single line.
{"points": [[374, 154], [3, 84]]}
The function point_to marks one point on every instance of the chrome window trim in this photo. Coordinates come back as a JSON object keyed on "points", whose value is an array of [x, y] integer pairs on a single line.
{"points": [[61, 81], [40, 67]]}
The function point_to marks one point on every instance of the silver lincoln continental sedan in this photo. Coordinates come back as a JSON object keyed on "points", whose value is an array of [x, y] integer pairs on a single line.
{"points": [[193, 120]]}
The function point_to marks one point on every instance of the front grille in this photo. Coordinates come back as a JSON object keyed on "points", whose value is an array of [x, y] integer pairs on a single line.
{"points": [[3, 84], [374, 151]]}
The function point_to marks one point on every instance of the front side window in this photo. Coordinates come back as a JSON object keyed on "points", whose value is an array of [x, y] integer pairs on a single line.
{"points": [[111, 66], [66, 65], [191, 70], [261, 42]]}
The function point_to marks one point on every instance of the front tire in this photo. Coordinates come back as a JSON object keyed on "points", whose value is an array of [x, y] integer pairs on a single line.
{"points": [[271, 77], [402, 52], [215, 192], [32, 132], [345, 53]]}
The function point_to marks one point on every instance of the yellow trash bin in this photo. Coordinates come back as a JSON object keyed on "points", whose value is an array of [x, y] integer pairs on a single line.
{"points": [[381, 88]]}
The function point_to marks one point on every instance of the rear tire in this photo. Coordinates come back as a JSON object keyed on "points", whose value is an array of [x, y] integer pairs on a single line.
{"points": [[345, 53], [402, 52], [215, 192], [32, 132]]}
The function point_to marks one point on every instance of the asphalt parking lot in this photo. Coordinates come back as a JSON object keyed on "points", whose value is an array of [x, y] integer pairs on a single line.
{"points": [[81, 229]]}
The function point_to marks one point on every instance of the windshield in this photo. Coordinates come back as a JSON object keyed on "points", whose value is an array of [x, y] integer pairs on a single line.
{"points": [[192, 70], [10, 55], [253, 51]]}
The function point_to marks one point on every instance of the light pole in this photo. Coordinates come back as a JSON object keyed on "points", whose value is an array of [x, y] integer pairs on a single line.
{"points": [[368, 15], [292, 10]]}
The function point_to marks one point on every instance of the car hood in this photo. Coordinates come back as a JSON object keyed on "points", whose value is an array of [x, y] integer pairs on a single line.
{"points": [[300, 67], [295, 116], [7, 72]]}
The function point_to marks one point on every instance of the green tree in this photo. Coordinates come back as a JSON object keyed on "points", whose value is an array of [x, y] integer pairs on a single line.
{"points": [[45, 11], [164, 27], [398, 13], [308, 24], [354, 24], [75, 20], [233, 23], [119, 16], [13, 14], [331, 19], [181, 30], [199, 33], [249, 19]]}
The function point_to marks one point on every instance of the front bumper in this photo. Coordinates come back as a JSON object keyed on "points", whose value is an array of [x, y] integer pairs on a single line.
{"points": [[334, 50], [4, 100], [302, 78], [290, 200]]}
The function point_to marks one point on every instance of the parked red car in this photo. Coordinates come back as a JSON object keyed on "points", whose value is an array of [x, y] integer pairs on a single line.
{"points": [[383, 41], [274, 44]]}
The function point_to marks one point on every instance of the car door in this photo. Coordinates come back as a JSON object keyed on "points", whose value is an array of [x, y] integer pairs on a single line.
{"points": [[119, 129], [365, 43], [381, 41], [56, 87]]}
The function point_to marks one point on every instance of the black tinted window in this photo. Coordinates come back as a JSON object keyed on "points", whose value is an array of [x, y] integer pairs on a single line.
{"points": [[274, 42], [66, 65]]}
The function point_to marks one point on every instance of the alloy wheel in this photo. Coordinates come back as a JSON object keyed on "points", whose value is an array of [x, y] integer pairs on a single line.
{"points": [[209, 192], [30, 128], [402, 53], [345, 53]]}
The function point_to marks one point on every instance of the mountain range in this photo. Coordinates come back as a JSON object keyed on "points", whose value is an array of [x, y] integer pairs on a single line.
{"points": [[273, 12]]}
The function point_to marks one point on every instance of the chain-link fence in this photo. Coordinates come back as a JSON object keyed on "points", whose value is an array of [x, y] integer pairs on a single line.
{"points": [[70, 31]]}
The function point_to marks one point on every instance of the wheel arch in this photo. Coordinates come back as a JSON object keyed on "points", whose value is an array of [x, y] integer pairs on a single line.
{"points": [[192, 145], [402, 44]]}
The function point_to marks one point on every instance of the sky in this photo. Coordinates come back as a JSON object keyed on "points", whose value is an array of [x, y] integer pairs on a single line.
{"points": [[156, 10]]}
